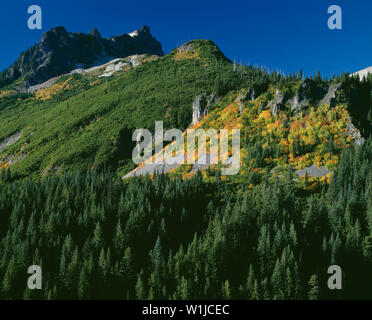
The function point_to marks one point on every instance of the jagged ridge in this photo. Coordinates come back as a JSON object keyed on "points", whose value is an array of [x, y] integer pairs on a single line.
{"points": [[60, 51]]}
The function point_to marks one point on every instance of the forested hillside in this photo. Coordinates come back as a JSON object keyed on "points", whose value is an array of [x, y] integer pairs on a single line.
{"points": [[89, 122], [96, 237], [266, 233]]}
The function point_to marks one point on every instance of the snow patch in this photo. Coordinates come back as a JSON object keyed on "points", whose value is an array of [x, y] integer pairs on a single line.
{"points": [[135, 33], [362, 73]]}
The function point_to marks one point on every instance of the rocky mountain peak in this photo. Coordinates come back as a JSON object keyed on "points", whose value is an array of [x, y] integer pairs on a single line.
{"points": [[145, 29], [60, 51], [55, 36], [94, 33]]}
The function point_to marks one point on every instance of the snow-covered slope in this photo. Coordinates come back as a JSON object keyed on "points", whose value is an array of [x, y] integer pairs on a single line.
{"points": [[363, 73]]}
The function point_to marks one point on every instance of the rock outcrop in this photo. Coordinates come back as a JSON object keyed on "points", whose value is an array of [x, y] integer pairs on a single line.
{"points": [[186, 47], [302, 97], [201, 106], [242, 97], [251, 94], [330, 97], [355, 134], [105, 70], [277, 103], [60, 51], [313, 171], [309, 93], [10, 140]]}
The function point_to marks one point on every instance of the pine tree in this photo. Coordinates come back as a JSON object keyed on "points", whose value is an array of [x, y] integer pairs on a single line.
{"points": [[9, 278], [277, 281], [226, 290], [184, 290], [256, 293], [83, 285], [250, 282], [118, 240], [97, 236], [140, 290], [314, 287]]}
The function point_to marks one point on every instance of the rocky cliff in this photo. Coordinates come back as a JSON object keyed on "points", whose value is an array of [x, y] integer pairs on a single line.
{"points": [[60, 51]]}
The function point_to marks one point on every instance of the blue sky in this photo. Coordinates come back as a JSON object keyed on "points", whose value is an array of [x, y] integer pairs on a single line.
{"points": [[279, 34]]}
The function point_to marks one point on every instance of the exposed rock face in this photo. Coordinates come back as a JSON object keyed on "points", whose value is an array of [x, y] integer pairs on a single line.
{"points": [[201, 106], [197, 107], [60, 51], [106, 70], [251, 94], [301, 98], [330, 97], [241, 97], [297, 104], [10, 140], [11, 159], [355, 134], [310, 93], [152, 168], [186, 47], [277, 103], [313, 171]]}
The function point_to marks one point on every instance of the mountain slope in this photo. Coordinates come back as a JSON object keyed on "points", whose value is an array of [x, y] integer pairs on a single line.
{"points": [[89, 121], [86, 120], [262, 234], [363, 73], [308, 140], [60, 51]]}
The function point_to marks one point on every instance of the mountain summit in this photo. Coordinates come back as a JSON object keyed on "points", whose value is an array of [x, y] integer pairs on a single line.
{"points": [[60, 51]]}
